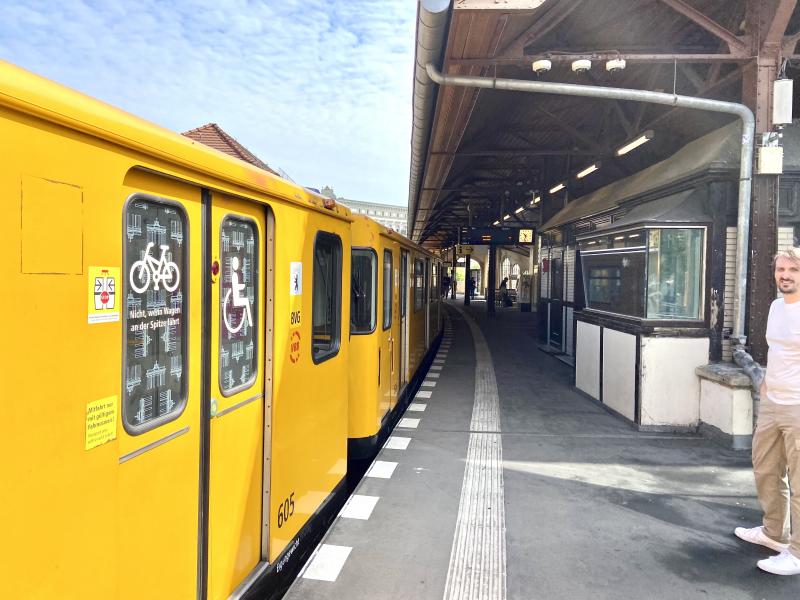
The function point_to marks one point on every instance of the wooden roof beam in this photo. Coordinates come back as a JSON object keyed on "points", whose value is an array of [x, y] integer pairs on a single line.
{"points": [[571, 131], [780, 20], [549, 21], [734, 42]]}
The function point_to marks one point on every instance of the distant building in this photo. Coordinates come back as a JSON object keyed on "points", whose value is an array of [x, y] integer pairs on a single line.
{"points": [[391, 215], [213, 136]]}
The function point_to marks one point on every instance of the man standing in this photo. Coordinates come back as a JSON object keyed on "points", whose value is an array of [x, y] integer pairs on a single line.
{"points": [[776, 441]]}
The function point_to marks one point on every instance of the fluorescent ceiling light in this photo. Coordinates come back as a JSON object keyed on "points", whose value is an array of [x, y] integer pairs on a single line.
{"points": [[520, 209], [506, 217], [496, 222], [587, 170], [557, 188], [642, 139], [536, 200]]}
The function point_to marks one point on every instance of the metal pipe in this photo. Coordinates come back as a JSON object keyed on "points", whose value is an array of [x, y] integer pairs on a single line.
{"points": [[608, 93], [432, 18]]}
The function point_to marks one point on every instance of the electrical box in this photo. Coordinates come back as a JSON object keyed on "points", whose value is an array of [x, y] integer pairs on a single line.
{"points": [[770, 160], [782, 90]]}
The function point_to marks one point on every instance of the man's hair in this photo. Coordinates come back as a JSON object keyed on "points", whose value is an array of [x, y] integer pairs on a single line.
{"points": [[792, 253]]}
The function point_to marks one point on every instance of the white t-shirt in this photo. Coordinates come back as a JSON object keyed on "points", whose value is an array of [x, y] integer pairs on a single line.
{"points": [[783, 360]]}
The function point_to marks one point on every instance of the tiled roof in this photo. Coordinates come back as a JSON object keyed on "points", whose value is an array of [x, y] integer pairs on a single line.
{"points": [[213, 136]]}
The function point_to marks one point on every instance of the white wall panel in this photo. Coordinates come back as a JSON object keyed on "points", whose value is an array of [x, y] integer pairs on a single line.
{"points": [[730, 279], [568, 331], [587, 359], [569, 274], [670, 389], [619, 372]]}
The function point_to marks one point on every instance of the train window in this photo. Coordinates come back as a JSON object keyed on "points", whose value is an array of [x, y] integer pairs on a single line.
{"points": [[238, 297], [387, 289], [155, 290], [419, 283], [326, 297], [363, 291]]}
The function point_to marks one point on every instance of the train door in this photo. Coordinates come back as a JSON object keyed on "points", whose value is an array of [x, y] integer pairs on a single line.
{"points": [[239, 417], [403, 318], [387, 349], [427, 301]]}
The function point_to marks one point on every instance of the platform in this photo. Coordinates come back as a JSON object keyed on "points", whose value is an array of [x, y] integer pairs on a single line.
{"points": [[503, 482]]}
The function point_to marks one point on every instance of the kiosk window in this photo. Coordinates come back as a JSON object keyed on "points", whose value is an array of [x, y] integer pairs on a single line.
{"points": [[238, 293], [387, 289], [326, 297], [155, 291], [363, 291]]}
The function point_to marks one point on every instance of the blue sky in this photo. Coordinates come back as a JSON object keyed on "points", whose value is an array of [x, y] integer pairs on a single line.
{"points": [[321, 89]]}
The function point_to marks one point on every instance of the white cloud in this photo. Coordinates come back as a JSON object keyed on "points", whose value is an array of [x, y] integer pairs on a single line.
{"points": [[319, 88]]}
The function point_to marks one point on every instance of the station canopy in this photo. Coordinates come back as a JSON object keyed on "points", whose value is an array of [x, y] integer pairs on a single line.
{"points": [[482, 157]]}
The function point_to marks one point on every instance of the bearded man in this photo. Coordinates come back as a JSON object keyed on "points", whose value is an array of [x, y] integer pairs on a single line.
{"points": [[776, 441]]}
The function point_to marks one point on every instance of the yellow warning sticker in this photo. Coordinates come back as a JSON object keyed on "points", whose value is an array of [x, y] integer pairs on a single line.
{"points": [[103, 301], [101, 422]]}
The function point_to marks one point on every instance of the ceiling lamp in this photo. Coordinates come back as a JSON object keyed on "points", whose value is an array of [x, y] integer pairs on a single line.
{"points": [[581, 65], [506, 217], [496, 222], [519, 210], [557, 188], [587, 170], [615, 64], [635, 143], [541, 66], [536, 200]]}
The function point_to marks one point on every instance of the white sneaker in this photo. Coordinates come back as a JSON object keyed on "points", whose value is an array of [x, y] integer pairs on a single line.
{"points": [[784, 563], [756, 535]]}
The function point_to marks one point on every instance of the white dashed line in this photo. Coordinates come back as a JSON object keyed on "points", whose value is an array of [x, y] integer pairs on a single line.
{"points": [[397, 442], [428, 383], [326, 562], [359, 507], [382, 469], [438, 361], [434, 375], [417, 407], [423, 394], [407, 423], [436, 367]]}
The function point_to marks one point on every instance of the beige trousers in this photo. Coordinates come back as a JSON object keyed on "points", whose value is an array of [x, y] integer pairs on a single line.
{"points": [[776, 464]]}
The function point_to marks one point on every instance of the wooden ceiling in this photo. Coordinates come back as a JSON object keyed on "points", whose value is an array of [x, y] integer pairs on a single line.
{"points": [[490, 151]]}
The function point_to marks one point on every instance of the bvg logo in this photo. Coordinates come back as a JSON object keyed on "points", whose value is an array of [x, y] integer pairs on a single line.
{"points": [[294, 347]]}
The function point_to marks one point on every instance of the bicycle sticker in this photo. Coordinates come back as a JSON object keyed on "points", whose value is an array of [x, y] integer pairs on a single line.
{"points": [[155, 358]]}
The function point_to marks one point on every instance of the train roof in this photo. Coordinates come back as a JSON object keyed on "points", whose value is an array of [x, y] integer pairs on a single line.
{"points": [[363, 221], [24, 91]]}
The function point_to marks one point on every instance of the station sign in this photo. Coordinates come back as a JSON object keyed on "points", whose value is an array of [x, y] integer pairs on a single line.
{"points": [[462, 250], [498, 236]]}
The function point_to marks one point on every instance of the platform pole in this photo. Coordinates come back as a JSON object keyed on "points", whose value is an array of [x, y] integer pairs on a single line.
{"points": [[490, 284]]}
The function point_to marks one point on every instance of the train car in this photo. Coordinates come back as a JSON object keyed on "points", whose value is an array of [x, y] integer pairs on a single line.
{"points": [[175, 359], [395, 327]]}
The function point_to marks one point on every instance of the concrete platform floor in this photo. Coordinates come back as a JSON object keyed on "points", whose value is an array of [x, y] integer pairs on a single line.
{"points": [[590, 507]]}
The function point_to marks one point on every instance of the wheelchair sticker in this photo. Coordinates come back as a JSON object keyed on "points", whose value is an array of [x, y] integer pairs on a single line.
{"points": [[237, 299]]}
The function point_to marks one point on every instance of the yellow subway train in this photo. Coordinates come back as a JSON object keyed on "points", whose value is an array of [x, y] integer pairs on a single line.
{"points": [[193, 350]]}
